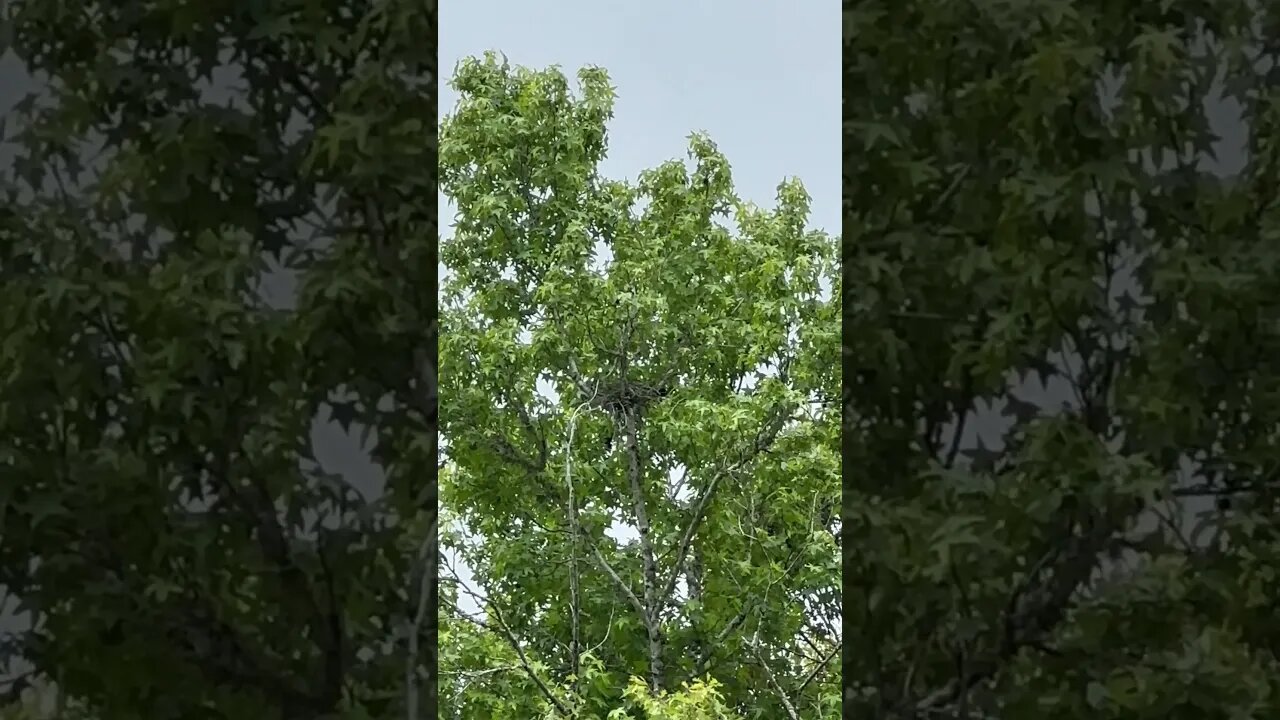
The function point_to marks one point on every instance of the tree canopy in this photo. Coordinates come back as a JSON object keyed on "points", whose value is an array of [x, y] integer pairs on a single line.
{"points": [[162, 512], [1052, 231], [657, 355]]}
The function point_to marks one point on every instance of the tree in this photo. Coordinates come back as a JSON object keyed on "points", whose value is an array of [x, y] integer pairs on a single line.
{"points": [[162, 512], [1031, 201], [615, 354]]}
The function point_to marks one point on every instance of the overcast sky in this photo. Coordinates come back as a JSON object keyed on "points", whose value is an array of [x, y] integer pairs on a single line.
{"points": [[762, 78]]}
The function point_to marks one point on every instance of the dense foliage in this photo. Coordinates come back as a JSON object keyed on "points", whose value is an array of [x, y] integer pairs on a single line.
{"points": [[161, 510], [1042, 230], [659, 355]]}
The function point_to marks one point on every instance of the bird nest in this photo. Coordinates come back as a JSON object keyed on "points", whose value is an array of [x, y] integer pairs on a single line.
{"points": [[621, 396]]}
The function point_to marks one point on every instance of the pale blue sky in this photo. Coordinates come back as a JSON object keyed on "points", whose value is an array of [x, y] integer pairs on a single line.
{"points": [[762, 78]]}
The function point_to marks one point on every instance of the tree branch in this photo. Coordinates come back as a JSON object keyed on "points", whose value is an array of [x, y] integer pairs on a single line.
{"points": [[524, 662], [773, 683], [626, 590], [765, 438]]}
